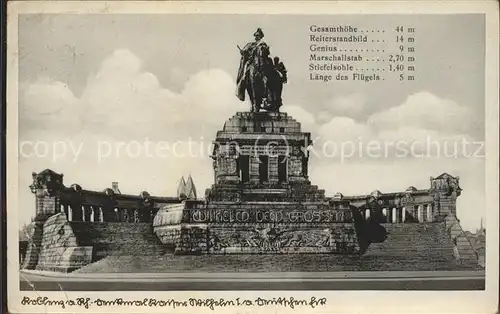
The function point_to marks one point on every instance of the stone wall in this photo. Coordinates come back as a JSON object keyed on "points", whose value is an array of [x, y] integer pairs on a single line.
{"points": [[266, 212], [462, 246], [335, 238], [46, 204], [60, 245], [59, 249], [167, 224], [282, 238], [35, 234], [265, 228], [260, 149], [447, 204]]}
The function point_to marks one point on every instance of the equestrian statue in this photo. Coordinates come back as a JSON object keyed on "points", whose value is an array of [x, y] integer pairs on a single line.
{"points": [[260, 76]]}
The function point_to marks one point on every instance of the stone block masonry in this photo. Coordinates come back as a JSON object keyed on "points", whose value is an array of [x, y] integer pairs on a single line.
{"points": [[60, 250], [65, 246], [282, 238], [34, 245]]}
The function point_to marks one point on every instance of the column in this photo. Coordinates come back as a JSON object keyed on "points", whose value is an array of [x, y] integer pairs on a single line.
{"points": [[83, 213], [348, 216], [340, 216], [70, 214], [394, 215], [92, 214], [101, 215], [384, 214], [367, 214], [420, 212], [429, 213], [403, 214]]}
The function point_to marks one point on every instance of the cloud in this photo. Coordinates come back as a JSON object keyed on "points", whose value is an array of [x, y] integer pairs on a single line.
{"points": [[347, 105], [178, 76], [210, 96], [46, 103], [426, 111], [343, 128], [298, 113], [126, 102]]}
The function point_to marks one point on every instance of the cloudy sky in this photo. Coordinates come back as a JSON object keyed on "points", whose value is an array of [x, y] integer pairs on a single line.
{"points": [[101, 92]]}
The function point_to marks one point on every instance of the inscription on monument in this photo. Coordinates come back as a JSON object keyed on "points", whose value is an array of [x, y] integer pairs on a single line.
{"points": [[266, 216]]}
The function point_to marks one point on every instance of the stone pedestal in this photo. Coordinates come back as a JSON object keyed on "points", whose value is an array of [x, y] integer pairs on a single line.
{"points": [[262, 200], [45, 187]]}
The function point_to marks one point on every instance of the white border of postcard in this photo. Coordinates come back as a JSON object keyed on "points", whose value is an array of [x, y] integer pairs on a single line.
{"points": [[338, 301]]}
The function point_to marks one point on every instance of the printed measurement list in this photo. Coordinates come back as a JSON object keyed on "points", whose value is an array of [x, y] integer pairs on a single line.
{"points": [[346, 52]]}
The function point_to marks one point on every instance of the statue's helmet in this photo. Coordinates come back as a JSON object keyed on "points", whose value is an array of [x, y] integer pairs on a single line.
{"points": [[258, 33]]}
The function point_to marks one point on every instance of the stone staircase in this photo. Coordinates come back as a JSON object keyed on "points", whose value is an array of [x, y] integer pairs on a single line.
{"points": [[111, 239], [425, 245]]}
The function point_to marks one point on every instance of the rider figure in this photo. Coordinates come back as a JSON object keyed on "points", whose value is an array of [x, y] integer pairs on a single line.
{"points": [[248, 49], [264, 75], [246, 56]]}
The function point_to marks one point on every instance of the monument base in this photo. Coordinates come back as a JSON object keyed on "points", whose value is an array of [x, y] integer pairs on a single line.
{"points": [[259, 228], [272, 239]]}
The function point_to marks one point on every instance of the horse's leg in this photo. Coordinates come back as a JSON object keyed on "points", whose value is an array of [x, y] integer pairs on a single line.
{"points": [[252, 100], [249, 89], [259, 93], [255, 95], [251, 97]]}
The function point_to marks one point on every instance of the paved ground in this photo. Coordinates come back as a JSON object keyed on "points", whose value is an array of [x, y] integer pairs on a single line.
{"points": [[454, 280]]}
